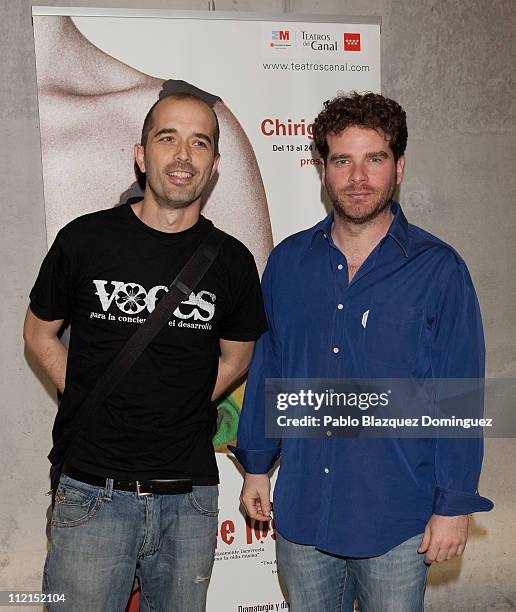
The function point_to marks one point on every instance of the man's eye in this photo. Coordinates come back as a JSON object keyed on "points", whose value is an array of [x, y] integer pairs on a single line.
{"points": [[341, 162], [376, 159], [166, 139], [200, 143]]}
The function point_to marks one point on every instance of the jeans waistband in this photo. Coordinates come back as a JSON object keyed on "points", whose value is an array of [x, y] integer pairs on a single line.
{"points": [[142, 487]]}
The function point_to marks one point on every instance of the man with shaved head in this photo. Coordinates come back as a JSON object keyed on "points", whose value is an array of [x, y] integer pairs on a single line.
{"points": [[138, 494]]}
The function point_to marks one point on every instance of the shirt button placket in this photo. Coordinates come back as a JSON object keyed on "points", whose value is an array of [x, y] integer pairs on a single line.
{"points": [[336, 349]]}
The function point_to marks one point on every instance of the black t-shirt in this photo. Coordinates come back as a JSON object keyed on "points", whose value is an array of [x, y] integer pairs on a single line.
{"points": [[105, 273]]}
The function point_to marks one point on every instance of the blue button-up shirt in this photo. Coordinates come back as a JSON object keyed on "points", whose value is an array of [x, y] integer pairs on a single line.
{"points": [[350, 496]]}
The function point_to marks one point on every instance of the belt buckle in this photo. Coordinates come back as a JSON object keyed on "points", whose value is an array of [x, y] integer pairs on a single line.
{"points": [[140, 493]]}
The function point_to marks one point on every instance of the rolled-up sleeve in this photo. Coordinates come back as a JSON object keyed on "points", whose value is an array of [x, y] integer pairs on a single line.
{"points": [[458, 353], [256, 453]]}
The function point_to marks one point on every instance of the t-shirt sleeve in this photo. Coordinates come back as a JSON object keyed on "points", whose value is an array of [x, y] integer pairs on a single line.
{"points": [[50, 297], [245, 320]]}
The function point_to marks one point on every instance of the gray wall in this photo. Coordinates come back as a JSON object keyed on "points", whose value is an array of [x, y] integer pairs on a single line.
{"points": [[451, 65]]}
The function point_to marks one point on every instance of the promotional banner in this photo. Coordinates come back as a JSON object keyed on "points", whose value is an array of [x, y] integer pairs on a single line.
{"points": [[266, 77]]}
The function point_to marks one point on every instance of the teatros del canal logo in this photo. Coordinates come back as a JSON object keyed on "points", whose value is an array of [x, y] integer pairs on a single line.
{"points": [[280, 39], [317, 41], [351, 41]]}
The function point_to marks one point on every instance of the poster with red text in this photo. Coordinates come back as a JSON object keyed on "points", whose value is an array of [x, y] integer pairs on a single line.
{"points": [[266, 77]]}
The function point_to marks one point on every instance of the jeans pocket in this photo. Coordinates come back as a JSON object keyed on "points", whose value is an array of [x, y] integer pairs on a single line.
{"points": [[76, 503], [205, 500]]}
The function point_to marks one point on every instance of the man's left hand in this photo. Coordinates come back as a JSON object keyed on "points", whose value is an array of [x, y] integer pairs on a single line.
{"points": [[444, 538]]}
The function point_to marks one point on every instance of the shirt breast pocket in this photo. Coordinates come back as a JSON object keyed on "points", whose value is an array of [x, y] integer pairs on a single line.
{"points": [[392, 335]]}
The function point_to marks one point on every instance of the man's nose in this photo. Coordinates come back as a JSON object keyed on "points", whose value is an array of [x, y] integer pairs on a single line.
{"points": [[183, 151], [358, 173]]}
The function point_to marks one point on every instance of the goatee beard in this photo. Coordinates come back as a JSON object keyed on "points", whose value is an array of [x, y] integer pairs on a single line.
{"points": [[167, 202]]}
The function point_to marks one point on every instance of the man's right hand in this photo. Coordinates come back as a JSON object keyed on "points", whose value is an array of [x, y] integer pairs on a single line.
{"points": [[255, 496]]}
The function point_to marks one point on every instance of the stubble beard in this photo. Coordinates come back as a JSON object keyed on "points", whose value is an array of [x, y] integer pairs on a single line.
{"points": [[383, 200], [169, 199]]}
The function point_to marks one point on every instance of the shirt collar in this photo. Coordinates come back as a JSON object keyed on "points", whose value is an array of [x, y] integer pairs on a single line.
{"points": [[398, 230], [323, 228]]}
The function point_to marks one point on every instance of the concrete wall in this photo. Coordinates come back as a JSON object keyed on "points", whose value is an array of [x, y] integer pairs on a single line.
{"points": [[451, 65]]}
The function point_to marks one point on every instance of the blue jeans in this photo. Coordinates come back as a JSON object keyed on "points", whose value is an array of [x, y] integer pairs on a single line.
{"points": [[317, 581], [101, 538]]}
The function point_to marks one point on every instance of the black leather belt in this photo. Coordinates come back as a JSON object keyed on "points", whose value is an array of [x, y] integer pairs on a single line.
{"points": [[142, 487]]}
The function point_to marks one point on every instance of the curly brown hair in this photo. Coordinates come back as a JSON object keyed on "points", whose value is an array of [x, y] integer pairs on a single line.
{"points": [[367, 110]]}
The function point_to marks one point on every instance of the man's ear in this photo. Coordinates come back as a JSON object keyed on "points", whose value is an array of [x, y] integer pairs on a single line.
{"points": [[139, 157], [400, 165], [215, 165]]}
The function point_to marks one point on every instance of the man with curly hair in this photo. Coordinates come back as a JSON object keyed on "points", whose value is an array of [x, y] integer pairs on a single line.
{"points": [[363, 295]]}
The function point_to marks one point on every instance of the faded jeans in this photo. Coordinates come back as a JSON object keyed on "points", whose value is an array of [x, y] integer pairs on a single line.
{"points": [[317, 581], [102, 538]]}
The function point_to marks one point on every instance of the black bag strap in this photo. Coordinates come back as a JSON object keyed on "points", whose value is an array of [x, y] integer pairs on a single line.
{"points": [[182, 286]]}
